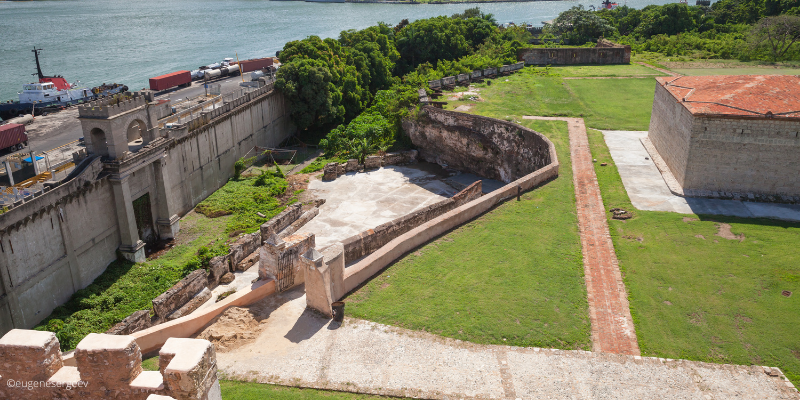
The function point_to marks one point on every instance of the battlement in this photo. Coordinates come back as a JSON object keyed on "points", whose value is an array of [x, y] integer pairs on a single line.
{"points": [[111, 106], [108, 366]]}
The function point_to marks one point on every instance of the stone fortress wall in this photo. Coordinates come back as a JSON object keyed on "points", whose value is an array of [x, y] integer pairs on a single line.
{"points": [[107, 367], [724, 156], [605, 52], [59, 242]]}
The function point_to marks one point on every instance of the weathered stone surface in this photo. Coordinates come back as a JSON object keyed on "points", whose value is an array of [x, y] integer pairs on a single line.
{"points": [[135, 322], [110, 361], [330, 171], [604, 53], [297, 224], [29, 355], [227, 278], [372, 162], [190, 368], [174, 298], [191, 305], [351, 165], [366, 242], [393, 159], [245, 246], [410, 156], [484, 146], [291, 247], [280, 221], [217, 267]]}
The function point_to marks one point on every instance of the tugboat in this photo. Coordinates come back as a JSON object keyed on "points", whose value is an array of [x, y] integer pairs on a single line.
{"points": [[52, 93], [608, 5]]}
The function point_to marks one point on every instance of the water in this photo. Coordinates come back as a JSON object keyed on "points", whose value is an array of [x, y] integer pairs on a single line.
{"points": [[128, 41]]}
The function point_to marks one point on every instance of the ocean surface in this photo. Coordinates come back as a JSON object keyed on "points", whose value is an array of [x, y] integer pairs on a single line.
{"points": [[128, 41]]}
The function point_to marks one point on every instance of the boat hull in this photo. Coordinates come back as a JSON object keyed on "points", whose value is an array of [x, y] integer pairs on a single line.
{"points": [[14, 109]]}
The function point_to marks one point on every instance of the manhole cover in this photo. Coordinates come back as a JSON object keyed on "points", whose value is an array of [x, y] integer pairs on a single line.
{"points": [[786, 293]]}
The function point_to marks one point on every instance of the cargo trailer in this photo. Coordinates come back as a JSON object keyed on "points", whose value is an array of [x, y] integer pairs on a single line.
{"points": [[164, 82], [13, 137], [255, 64]]}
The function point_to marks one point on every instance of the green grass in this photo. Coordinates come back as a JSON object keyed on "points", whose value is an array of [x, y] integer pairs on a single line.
{"points": [[707, 298], [319, 163], [623, 104], [512, 276], [604, 70], [737, 71], [244, 198], [258, 391]]}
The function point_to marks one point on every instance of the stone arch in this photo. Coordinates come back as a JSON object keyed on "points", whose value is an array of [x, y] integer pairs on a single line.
{"points": [[135, 129], [99, 142]]}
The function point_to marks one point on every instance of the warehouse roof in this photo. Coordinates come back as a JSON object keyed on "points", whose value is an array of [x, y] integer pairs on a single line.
{"points": [[741, 95]]}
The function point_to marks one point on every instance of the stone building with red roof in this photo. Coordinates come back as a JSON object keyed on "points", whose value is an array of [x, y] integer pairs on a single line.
{"points": [[730, 136]]}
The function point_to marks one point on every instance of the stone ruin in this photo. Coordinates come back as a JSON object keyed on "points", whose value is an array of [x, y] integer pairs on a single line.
{"points": [[108, 366]]}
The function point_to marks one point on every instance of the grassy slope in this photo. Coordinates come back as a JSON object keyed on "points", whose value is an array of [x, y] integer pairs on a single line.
{"points": [[622, 104], [707, 298], [257, 391], [604, 70], [512, 276]]}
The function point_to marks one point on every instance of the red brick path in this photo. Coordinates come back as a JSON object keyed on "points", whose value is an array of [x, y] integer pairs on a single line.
{"points": [[612, 325]]}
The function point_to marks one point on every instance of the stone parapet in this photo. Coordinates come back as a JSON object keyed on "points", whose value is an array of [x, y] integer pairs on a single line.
{"points": [[108, 366], [109, 107]]}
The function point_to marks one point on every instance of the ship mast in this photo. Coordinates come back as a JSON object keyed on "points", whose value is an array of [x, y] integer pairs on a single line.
{"points": [[38, 67]]}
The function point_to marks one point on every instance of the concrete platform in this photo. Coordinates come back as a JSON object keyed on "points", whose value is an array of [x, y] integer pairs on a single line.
{"points": [[648, 191], [297, 347], [358, 201]]}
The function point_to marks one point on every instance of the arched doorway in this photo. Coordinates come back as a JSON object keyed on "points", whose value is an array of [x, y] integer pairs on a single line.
{"points": [[98, 142]]}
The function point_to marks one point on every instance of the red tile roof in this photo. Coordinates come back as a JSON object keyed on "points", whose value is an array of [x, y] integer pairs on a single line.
{"points": [[745, 95]]}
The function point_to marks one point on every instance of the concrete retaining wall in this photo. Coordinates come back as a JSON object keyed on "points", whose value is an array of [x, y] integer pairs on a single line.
{"points": [[59, 242]]}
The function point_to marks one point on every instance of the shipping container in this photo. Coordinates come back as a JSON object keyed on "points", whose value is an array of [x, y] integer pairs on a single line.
{"points": [[255, 64], [13, 137], [167, 81]]}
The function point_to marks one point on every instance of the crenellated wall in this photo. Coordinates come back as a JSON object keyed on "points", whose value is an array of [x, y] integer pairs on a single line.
{"points": [[59, 242], [108, 367]]}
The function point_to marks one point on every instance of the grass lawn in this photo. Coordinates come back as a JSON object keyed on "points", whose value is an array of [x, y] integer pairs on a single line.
{"points": [[623, 104], [737, 71], [698, 296], [512, 276], [258, 391], [604, 70]]}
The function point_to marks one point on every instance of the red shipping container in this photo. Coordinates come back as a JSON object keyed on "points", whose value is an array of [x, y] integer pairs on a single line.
{"points": [[255, 64], [12, 134], [167, 81]]}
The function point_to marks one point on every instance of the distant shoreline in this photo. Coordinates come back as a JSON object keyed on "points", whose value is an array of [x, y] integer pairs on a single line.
{"points": [[407, 2]]}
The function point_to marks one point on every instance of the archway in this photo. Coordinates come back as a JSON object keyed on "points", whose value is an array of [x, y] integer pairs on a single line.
{"points": [[98, 142], [135, 130]]}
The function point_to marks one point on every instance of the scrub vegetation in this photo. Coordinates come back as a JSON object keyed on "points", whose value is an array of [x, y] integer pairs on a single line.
{"points": [[125, 287], [513, 276]]}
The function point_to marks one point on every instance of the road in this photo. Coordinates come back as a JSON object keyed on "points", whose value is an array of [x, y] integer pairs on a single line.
{"points": [[58, 129]]}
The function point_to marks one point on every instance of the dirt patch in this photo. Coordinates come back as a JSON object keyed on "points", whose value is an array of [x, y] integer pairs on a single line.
{"points": [[621, 214], [639, 239], [696, 319], [724, 231], [689, 219], [700, 237], [296, 182], [464, 107], [667, 302], [235, 327]]}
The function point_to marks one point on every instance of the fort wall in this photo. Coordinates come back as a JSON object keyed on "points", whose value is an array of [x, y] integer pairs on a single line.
{"points": [[605, 53], [59, 242], [727, 156]]}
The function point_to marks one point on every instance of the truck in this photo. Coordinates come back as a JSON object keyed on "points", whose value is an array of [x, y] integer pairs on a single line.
{"points": [[177, 78], [255, 64], [12, 137]]}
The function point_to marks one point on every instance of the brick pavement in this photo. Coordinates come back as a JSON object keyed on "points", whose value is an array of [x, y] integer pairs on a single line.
{"points": [[612, 325]]}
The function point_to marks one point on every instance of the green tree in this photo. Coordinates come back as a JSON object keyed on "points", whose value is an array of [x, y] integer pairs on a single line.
{"points": [[777, 34], [671, 19], [308, 87], [579, 26]]}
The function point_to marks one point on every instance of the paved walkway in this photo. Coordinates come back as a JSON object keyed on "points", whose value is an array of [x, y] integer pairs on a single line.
{"points": [[648, 190], [293, 346], [612, 325]]}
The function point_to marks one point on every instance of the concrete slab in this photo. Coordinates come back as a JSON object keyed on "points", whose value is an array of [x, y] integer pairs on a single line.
{"points": [[648, 191], [298, 347], [358, 201], [466, 179]]}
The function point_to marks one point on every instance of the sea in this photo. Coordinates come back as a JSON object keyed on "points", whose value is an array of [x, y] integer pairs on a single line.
{"points": [[129, 41]]}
